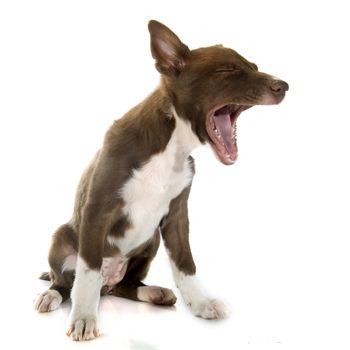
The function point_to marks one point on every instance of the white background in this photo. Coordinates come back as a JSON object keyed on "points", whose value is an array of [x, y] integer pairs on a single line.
{"points": [[270, 234]]}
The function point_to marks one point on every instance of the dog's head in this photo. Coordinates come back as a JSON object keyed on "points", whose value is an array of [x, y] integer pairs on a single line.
{"points": [[211, 87]]}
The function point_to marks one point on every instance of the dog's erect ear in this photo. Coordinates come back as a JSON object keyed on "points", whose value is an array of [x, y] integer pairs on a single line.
{"points": [[167, 49]]}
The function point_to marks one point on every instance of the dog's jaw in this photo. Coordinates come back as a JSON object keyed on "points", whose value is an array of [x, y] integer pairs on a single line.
{"points": [[221, 121], [221, 125]]}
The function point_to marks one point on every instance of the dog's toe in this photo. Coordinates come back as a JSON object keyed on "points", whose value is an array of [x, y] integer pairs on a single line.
{"points": [[83, 329], [48, 301]]}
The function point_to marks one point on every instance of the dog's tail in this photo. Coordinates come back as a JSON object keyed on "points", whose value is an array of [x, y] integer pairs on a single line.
{"points": [[45, 276]]}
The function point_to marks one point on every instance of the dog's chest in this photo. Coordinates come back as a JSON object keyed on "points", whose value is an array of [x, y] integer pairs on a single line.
{"points": [[148, 193]]}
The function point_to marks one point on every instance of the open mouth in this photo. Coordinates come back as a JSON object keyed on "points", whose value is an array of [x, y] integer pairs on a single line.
{"points": [[222, 130]]}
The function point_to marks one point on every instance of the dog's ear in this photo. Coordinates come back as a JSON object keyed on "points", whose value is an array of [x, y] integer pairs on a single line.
{"points": [[167, 49]]}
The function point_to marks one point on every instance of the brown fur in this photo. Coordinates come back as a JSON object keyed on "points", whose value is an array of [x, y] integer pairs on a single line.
{"points": [[193, 82], [175, 230], [126, 147]]}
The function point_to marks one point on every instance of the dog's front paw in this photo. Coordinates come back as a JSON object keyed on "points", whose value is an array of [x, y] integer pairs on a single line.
{"points": [[83, 329], [209, 309]]}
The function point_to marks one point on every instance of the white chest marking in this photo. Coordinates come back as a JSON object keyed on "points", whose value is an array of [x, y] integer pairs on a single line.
{"points": [[149, 191]]}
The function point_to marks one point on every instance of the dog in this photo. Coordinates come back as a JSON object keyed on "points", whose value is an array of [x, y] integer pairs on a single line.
{"points": [[137, 186]]}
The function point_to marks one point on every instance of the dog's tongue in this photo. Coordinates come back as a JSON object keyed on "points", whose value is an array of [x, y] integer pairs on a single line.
{"points": [[223, 125]]}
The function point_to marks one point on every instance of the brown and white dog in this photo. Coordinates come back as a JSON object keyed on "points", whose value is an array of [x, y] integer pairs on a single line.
{"points": [[137, 186]]}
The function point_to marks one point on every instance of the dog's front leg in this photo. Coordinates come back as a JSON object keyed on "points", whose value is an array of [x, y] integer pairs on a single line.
{"points": [[175, 232], [85, 299], [88, 279]]}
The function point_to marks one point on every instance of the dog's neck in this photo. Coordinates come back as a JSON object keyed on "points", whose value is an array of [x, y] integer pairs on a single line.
{"points": [[161, 118], [187, 140], [147, 129]]}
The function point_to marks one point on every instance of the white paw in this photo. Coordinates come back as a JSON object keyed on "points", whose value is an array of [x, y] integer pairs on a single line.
{"points": [[83, 329], [48, 301], [209, 308]]}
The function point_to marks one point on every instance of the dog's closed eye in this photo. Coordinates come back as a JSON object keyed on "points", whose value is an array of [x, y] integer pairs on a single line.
{"points": [[228, 69]]}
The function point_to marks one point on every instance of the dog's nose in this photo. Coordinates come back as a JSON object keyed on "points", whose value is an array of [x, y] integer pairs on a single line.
{"points": [[279, 87]]}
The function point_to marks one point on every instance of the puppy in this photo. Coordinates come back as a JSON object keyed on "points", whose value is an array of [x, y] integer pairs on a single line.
{"points": [[137, 186]]}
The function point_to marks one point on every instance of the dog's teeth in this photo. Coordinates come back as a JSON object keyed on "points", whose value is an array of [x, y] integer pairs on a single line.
{"points": [[218, 134]]}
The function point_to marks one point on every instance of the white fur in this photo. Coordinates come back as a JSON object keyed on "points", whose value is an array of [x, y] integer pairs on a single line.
{"points": [[148, 193], [195, 298], [85, 299], [70, 263]]}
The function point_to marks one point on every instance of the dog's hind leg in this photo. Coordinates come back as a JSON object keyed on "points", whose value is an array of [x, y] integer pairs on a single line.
{"points": [[132, 287], [62, 260]]}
